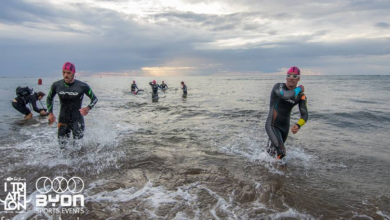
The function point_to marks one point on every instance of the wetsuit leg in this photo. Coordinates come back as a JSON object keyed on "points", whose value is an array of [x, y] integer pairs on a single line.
{"points": [[78, 128], [63, 135], [284, 133], [21, 108], [276, 137]]}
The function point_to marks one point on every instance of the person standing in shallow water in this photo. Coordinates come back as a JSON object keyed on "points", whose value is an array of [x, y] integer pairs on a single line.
{"points": [[70, 92], [284, 96], [184, 88], [134, 87], [155, 87], [163, 85]]}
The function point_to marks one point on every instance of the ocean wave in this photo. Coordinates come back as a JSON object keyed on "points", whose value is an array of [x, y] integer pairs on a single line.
{"points": [[355, 119]]}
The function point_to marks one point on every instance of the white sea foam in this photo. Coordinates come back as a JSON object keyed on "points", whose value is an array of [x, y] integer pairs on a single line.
{"points": [[385, 215], [152, 197], [101, 148], [290, 213], [251, 145], [356, 215]]}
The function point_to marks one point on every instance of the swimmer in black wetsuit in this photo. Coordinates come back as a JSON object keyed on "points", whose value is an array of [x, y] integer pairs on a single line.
{"points": [[184, 88], [163, 85], [155, 87], [19, 103], [284, 97], [133, 87], [70, 92]]}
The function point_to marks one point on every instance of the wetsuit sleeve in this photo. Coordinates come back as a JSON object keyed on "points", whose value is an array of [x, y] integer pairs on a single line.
{"points": [[33, 101], [166, 86], [92, 96], [50, 98], [303, 110], [286, 94]]}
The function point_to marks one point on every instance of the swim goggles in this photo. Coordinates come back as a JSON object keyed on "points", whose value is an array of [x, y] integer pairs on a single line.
{"points": [[293, 76]]}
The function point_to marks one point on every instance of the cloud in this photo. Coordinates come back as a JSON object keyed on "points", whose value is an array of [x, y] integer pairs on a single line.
{"points": [[19, 12], [167, 71], [383, 25], [247, 37]]}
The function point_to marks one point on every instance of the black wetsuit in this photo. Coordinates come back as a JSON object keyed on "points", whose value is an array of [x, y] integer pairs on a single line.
{"points": [[22, 102], [71, 98], [278, 121], [154, 89], [164, 86], [133, 87], [184, 90]]}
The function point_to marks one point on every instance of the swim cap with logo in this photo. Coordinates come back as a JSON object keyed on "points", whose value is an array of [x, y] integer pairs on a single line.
{"points": [[69, 66], [294, 70]]}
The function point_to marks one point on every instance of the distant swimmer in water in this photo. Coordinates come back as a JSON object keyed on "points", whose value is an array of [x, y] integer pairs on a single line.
{"points": [[155, 87], [184, 88], [70, 92], [163, 86], [134, 87], [284, 96], [27, 96]]}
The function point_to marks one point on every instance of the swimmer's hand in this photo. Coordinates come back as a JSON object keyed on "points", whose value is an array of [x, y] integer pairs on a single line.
{"points": [[52, 118], [302, 88], [84, 111], [43, 113], [294, 129]]}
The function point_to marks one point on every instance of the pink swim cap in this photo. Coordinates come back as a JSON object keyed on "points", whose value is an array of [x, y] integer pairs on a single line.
{"points": [[69, 66], [133, 81], [154, 81], [294, 70]]}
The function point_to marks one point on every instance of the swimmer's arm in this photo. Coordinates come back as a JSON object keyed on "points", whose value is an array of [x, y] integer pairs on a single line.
{"points": [[33, 101], [92, 96], [302, 105], [50, 98]]}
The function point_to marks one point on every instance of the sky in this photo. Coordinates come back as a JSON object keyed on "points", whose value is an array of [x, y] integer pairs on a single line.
{"points": [[194, 38]]}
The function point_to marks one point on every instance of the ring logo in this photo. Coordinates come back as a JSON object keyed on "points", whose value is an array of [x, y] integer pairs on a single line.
{"points": [[69, 93], [60, 185]]}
